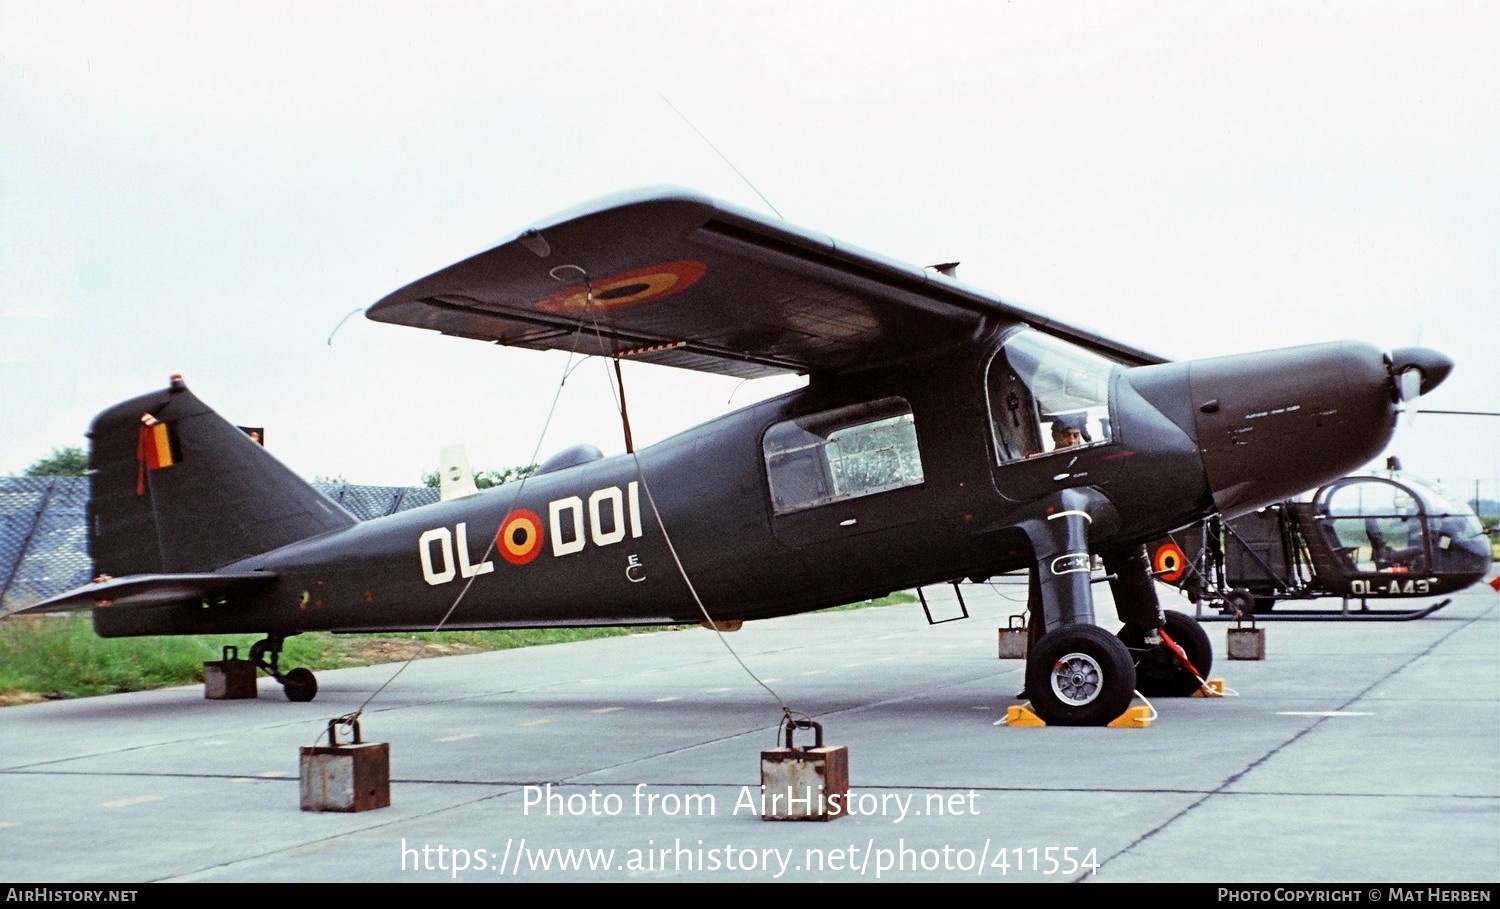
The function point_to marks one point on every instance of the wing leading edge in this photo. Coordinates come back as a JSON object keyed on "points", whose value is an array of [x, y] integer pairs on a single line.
{"points": [[671, 277]]}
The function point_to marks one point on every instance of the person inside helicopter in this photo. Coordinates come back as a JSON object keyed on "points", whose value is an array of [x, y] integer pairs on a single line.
{"points": [[1396, 542]]}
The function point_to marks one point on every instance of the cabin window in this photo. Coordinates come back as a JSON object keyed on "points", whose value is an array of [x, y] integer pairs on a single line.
{"points": [[1376, 526], [842, 454], [1047, 395]]}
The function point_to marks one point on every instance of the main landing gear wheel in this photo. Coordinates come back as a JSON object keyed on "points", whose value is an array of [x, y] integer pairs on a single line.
{"points": [[300, 684], [1158, 671], [1079, 675]]}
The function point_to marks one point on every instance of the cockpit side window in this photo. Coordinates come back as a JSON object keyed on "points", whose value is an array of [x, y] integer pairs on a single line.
{"points": [[1047, 395], [842, 454]]}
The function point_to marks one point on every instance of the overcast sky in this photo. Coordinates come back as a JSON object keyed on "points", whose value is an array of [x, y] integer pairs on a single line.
{"points": [[207, 188]]}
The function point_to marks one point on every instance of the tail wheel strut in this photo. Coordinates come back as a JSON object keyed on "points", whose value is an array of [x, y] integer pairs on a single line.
{"points": [[299, 684]]}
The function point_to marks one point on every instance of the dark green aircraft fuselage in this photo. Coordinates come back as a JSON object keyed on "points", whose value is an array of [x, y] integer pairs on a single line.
{"points": [[619, 540]]}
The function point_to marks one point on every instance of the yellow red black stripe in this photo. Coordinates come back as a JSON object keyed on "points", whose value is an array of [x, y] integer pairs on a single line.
{"points": [[629, 289], [520, 537], [1169, 562]]}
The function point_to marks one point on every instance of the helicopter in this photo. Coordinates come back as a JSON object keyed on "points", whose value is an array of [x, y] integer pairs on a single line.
{"points": [[1381, 534], [943, 433]]}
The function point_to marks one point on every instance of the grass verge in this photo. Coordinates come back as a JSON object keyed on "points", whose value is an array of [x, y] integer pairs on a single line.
{"points": [[58, 656]]}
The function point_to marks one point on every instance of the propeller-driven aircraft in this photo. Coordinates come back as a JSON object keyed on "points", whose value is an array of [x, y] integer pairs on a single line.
{"points": [[943, 434], [1386, 534]]}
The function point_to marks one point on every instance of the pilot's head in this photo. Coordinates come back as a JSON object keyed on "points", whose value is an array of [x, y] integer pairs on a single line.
{"points": [[1068, 430]]}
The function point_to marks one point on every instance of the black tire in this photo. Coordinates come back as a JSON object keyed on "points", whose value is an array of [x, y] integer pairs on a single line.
{"points": [[1241, 604], [1079, 675], [300, 684], [1158, 674]]}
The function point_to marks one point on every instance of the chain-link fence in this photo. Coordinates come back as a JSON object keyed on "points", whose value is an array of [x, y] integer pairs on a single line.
{"points": [[44, 532]]}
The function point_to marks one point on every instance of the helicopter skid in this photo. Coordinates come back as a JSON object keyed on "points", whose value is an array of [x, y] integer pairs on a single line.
{"points": [[1328, 615]]}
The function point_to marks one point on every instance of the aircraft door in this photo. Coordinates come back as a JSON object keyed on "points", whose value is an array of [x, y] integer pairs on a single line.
{"points": [[1049, 415], [1015, 418]]}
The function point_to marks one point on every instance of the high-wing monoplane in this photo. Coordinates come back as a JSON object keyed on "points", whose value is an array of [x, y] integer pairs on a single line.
{"points": [[943, 434]]}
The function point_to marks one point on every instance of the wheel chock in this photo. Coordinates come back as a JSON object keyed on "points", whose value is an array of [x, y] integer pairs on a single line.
{"points": [[1022, 715], [1214, 688], [1132, 718]]}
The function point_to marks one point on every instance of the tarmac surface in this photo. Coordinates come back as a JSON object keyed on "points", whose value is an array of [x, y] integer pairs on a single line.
{"points": [[1353, 753]]}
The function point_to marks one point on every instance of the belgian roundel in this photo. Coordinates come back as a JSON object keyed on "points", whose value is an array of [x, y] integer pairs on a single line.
{"points": [[640, 286], [520, 537], [1169, 563]]}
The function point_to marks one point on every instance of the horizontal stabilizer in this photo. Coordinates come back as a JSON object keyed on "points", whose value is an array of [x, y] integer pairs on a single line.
{"points": [[144, 590]]}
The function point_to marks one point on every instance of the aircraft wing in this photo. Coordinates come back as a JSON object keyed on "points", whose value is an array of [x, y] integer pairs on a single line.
{"points": [[671, 277], [143, 590]]}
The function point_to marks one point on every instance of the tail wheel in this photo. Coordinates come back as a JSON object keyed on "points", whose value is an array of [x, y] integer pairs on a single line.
{"points": [[300, 684], [1079, 675], [1158, 671]]}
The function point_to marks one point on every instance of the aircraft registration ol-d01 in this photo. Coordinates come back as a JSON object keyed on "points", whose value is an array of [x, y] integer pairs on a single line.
{"points": [[521, 537], [943, 434]]}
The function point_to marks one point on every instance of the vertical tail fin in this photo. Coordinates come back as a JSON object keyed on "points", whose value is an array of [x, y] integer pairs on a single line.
{"points": [[455, 477], [176, 488]]}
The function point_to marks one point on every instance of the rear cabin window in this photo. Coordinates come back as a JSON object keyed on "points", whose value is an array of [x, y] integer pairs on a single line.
{"points": [[842, 454]]}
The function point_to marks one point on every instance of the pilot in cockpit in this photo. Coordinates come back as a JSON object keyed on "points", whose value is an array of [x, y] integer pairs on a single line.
{"points": [[1069, 430], [1396, 541]]}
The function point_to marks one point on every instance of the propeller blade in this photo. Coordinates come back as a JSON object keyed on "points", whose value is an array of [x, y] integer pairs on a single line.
{"points": [[1410, 384]]}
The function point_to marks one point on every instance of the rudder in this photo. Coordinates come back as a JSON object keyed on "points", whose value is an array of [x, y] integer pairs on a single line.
{"points": [[176, 488]]}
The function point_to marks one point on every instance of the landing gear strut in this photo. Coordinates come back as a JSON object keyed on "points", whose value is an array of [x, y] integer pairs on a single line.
{"points": [[1150, 632], [1159, 670], [299, 684], [1077, 674]]}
